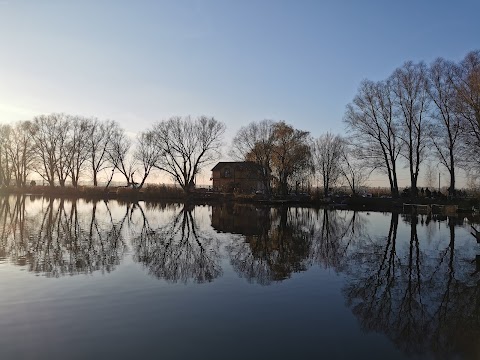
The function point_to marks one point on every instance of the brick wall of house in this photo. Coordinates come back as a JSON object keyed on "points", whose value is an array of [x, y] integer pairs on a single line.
{"points": [[236, 177]]}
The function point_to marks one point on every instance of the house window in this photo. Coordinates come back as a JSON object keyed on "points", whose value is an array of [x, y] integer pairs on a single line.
{"points": [[227, 173]]}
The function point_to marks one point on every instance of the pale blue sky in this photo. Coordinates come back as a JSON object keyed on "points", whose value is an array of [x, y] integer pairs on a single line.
{"points": [[240, 61]]}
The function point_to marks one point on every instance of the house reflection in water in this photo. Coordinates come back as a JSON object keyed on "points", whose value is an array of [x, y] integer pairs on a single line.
{"points": [[275, 243], [242, 219]]}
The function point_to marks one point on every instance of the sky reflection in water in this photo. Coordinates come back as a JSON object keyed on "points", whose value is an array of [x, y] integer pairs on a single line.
{"points": [[94, 279]]}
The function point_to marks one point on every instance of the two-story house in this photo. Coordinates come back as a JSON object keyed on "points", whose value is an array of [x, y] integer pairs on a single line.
{"points": [[241, 176]]}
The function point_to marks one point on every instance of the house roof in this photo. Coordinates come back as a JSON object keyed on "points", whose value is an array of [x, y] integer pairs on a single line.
{"points": [[238, 165]]}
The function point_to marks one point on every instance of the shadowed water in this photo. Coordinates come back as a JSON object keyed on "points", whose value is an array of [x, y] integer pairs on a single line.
{"points": [[120, 280]]}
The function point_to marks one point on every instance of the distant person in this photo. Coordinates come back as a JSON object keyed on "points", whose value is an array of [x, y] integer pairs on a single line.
{"points": [[428, 193]]}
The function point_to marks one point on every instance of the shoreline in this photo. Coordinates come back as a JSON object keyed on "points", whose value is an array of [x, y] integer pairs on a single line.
{"points": [[167, 194]]}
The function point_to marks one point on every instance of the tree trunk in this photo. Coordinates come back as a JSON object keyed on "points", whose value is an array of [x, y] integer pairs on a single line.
{"points": [[110, 180]]}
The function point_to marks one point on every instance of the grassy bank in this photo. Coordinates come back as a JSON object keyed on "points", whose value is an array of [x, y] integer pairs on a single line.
{"points": [[153, 192]]}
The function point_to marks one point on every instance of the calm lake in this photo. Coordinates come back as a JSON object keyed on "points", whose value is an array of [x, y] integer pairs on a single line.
{"points": [[90, 280]]}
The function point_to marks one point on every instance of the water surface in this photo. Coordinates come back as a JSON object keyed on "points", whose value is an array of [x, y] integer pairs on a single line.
{"points": [[83, 280]]}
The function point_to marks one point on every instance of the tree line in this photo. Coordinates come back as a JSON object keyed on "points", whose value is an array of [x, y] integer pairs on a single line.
{"points": [[61, 148], [419, 112], [288, 156]]}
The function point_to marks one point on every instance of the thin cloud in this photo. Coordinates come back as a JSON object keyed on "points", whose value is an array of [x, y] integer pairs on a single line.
{"points": [[7, 110]]}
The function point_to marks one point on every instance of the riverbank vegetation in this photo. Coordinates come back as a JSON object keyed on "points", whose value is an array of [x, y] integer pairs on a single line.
{"points": [[464, 203]]}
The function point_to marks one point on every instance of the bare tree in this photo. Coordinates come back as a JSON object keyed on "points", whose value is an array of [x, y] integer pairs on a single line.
{"points": [[375, 134], [98, 141], [119, 156], [410, 83], [79, 149], [49, 134], [255, 142], [327, 153], [187, 145], [20, 152], [5, 167], [467, 86], [353, 169], [147, 154], [445, 129], [64, 149]]}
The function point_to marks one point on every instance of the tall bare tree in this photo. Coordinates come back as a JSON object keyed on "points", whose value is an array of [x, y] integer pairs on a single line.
{"points": [[119, 156], [49, 134], [255, 142], [64, 150], [371, 122], [353, 169], [79, 149], [100, 135], [147, 154], [5, 167], [467, 86], [327, 153], [187, 145], [20, 152], [445, 128], [410, 83]]}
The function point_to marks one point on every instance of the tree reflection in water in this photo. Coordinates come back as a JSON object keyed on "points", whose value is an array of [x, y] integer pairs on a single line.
{"points": [[59, 239], [335, 233], [177, 250], [286, 240], [423, 296], [280, 247], [416, 283]]}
